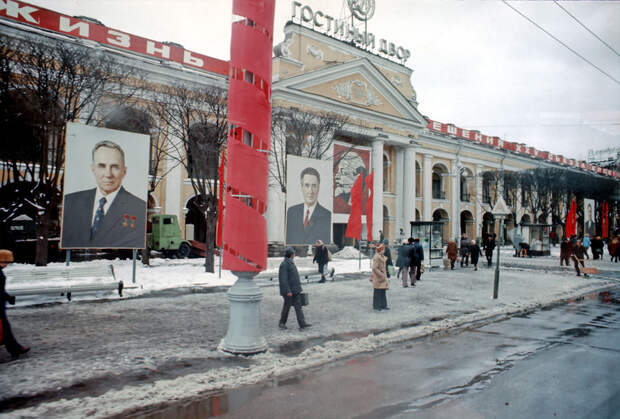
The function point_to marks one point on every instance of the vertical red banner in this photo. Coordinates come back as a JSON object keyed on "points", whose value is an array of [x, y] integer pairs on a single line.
{"points": [[354, 226], [249, 118]]}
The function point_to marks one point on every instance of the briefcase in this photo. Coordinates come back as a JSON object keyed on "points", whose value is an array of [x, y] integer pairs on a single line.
{"points": [[304, 298]]}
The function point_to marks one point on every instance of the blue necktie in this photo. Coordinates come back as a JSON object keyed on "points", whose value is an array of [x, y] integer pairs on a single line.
{"points": [[98, 217]]}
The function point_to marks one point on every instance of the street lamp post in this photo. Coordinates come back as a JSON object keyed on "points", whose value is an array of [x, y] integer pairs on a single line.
{"points": [[499, 212]]}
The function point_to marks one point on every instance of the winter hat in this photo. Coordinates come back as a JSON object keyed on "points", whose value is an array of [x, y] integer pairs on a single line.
{"points": [[380, 247], [288, 252], [318, 243], [6, 256], [386, 241]]}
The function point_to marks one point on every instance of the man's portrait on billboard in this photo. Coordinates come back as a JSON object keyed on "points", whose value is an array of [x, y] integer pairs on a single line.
{"points": [[102, 212], [309, 220], [589, 226]]}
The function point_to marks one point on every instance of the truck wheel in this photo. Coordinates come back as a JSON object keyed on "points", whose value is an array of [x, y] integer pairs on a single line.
{"points": [[184, 250]]}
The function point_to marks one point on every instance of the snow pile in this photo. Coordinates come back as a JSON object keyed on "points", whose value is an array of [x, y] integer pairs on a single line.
{"points": [[348, 252]]}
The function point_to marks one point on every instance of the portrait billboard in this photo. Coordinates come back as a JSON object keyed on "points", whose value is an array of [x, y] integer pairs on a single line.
{"points": [[308, 200], [105, 189], [589, 226], [349, 162]]}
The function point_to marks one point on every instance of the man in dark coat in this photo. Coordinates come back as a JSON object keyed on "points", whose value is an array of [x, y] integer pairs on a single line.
{"points": [[419, 251], [488, 249], [321, 256], [474, 253], [464, 250], [290, 290], [6, 337], [404, 262], [107, 216], [308, 222]]}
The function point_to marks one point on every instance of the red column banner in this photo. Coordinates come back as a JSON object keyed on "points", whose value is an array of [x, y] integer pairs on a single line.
{"points": [[605, 220], [249, 117], [354, 226], [369, 182]]}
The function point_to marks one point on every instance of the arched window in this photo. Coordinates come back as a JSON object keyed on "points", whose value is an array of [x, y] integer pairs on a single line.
{"points": [[466, 181], [488, 187], [439, 173]]}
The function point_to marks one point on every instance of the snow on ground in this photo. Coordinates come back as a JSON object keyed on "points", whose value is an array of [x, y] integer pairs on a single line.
{"points": [[443, 300]]}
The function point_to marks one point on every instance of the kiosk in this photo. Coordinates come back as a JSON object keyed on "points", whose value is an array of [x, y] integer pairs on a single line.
{"points": [[430, 234]]}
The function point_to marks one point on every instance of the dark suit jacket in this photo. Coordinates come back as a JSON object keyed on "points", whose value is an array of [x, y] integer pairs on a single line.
{"points": [[118, 228], [318, 227]]}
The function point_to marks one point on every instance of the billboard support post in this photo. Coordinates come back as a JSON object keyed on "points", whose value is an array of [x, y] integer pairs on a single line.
{"points": [[133, 269], [68, 256]]}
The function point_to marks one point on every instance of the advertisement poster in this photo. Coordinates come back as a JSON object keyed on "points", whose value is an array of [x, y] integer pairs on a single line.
{"points": [[308, 200], [105, 190], [349, 162]]}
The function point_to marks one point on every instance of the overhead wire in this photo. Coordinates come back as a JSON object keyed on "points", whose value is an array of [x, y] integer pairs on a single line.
{"points": [[562, 43], [586, 28]]}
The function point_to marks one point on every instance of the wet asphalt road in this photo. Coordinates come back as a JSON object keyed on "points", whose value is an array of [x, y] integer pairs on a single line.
{"points": [[561, 362]]}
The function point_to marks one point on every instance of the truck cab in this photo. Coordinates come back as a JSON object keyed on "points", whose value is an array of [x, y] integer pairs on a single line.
{"points": [[164, 235]]}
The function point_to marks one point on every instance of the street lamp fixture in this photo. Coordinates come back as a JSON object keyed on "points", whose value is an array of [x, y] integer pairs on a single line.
{"points": [[499, 211]]}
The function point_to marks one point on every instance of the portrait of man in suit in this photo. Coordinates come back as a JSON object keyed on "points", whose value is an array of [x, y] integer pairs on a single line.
{"points": [[106, 216], [309, 221]]}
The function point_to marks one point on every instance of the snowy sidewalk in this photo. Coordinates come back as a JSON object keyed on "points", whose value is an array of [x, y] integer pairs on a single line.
{"points": [[100, 359]]}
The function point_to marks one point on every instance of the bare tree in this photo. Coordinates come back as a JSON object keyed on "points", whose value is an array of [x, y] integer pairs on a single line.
{"points": [[301, 134], [196, 118], [46, 83]]}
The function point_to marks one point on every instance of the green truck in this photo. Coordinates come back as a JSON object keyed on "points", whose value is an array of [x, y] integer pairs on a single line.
{"points": [[164, 235]]}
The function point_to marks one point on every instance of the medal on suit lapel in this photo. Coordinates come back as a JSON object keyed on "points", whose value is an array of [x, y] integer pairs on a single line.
{"points": [[133, 221], [125, 218]]}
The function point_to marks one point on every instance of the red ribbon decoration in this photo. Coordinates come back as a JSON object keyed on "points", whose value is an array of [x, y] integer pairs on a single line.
{"points": [[369, 182]]}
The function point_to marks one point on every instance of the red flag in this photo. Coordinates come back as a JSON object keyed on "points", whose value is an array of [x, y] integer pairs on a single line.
{"points": [[571, 221], [220, 200], [354, 225], [369, 183]]}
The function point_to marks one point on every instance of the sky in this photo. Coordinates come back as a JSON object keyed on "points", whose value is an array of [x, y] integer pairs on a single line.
{"points": [[476, 64]]}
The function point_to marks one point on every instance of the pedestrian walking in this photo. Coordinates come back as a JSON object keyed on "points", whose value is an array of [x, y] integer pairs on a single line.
{"points": [[464, 250], [404, 262], [564, 252], [614, 248], [6, 334], [597, 248], [474, 253], [419, 258], [414, 262], [452, 253], [321, 256], [379, 280], [290, 290], [586, 245], [388, 257], [578, 257], [488, 249]]}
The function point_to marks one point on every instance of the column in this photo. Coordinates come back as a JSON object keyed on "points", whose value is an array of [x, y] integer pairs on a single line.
{"points": [[478, 200], [174, 184], [377, 203], [409, 190], [518, 206], [400, 218], [455, 198], [428, 186]]}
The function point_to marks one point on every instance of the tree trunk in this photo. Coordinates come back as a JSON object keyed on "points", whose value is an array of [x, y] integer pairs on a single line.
{"points": [[42, 229], [146, 256], [211, 222]]}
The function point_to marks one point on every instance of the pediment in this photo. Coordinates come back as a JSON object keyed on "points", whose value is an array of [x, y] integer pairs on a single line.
{"points": [[357, 83]]}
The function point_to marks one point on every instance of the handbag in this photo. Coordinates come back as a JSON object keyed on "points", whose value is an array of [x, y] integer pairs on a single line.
{"points": [[303, 297], [329, 256], [391, 270]]}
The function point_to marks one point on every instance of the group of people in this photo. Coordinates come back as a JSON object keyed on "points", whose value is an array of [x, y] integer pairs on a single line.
{"points": [[577, 250], [469, 251]]}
